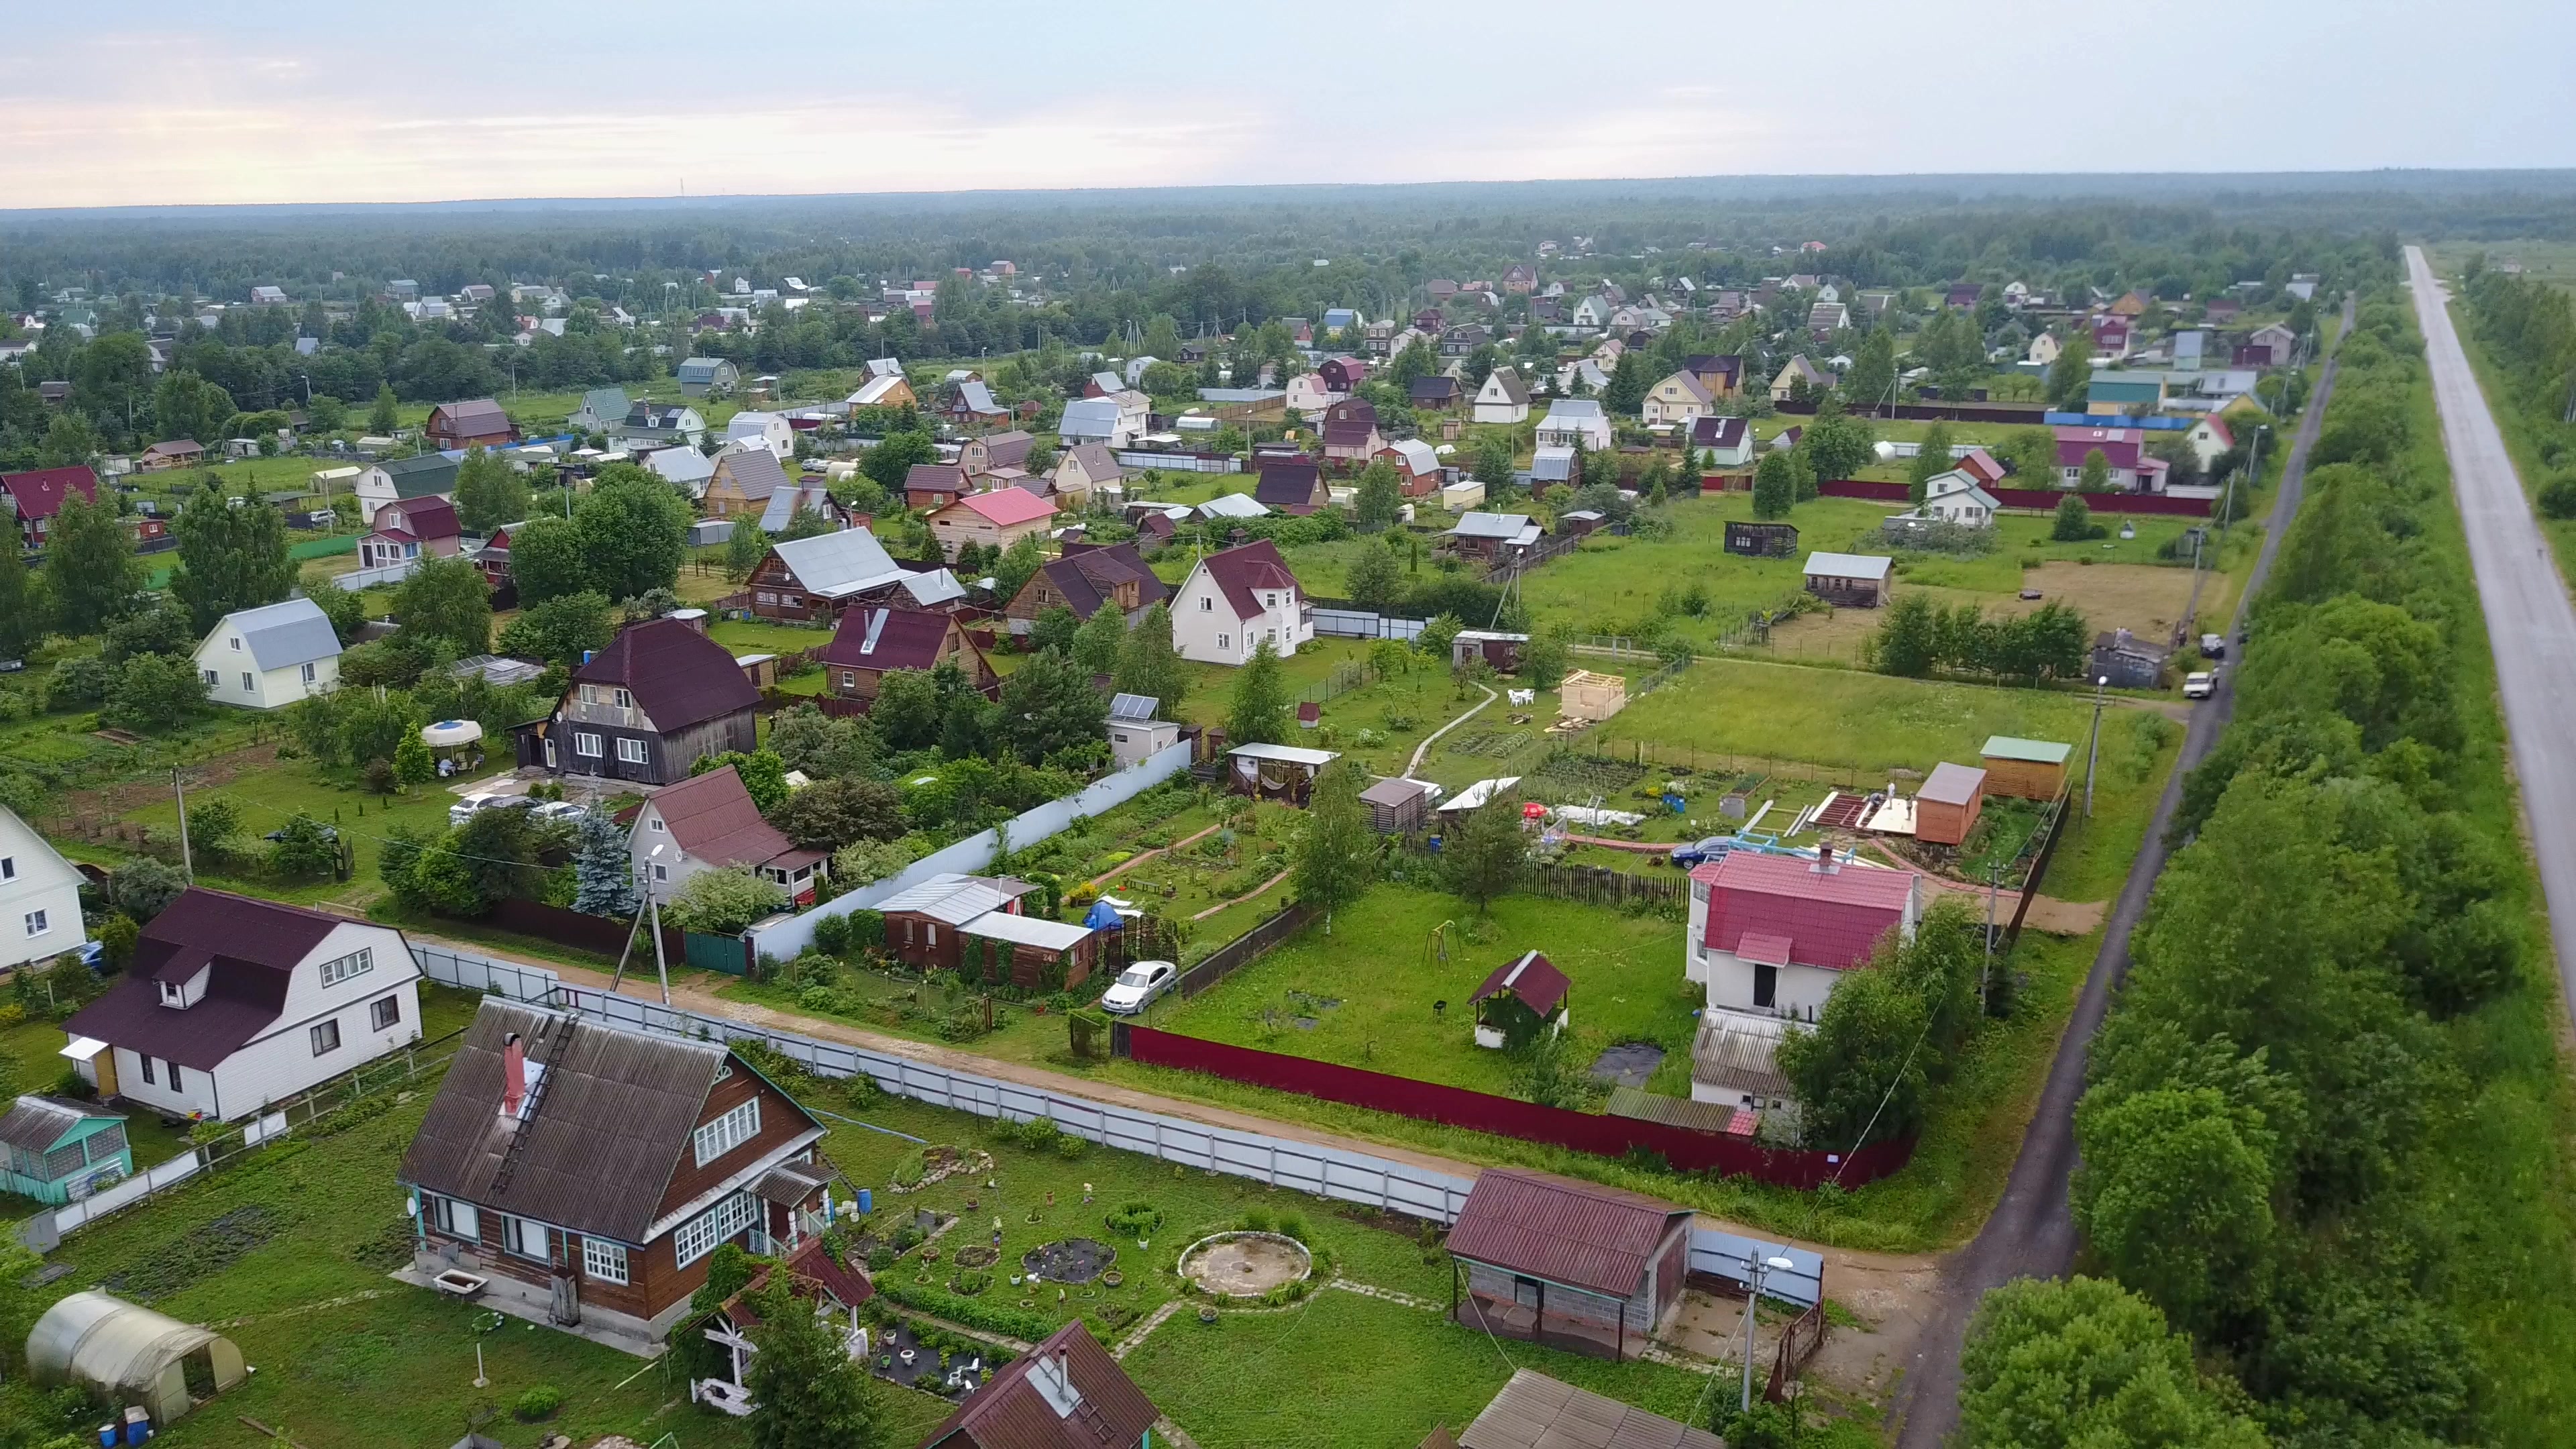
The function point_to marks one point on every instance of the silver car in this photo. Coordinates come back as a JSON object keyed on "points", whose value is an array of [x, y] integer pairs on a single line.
{"points": [[1138, 985]]}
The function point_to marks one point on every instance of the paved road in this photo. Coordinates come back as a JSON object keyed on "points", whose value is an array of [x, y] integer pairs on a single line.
{"points": [[2529, 621], [2030, 1234]]}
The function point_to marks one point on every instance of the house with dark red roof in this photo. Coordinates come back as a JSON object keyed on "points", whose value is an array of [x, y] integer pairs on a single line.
{"points": [[933, 485], [1066, 1393], [1775, 933], [1573, 1265], [1088, 578], [34, 497], [411, 529], [1236, 600], [873, 640], [1293, 486], [2124, 449], [476, 423], [232, 1004], [1350, 430], [1343, 374], [658, 699], [708, 822]]}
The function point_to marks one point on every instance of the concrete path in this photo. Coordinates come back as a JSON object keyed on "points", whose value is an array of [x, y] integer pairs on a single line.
{"points": [[1424, 748]]}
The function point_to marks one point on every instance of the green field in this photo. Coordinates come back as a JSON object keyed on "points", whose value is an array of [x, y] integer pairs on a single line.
{"points": [[1744, 707]]}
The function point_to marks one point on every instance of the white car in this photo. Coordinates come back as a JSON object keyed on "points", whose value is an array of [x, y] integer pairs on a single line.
{"points": [[2197, 685], [1138, 985], [557, 810], [463, 810]]}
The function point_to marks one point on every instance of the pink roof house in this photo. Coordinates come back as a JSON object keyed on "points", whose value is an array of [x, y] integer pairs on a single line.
{"points": [[1774, 933]]}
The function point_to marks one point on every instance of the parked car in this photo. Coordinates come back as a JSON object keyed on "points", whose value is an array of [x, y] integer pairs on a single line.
{"points": [[463, 810], [1702, 851], [557, 810], [2214, 645], [2199, 683], [1138, 986]]}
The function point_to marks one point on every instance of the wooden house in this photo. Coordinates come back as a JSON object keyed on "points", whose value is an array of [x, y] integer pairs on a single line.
{"points": [[658, 699], [478, 423], [1396, 805], [587, 1173], [1947, 806], [994, 452], [1761, 540], [1088, 578], [933, 486], [742, 482], [1293, 486], [874, 640], [708, 822], [1027, 951], [34, 497], [1596, 697], [1572, 1265], [810, 580], [1497, 649], [993, 520], [409, 529], [921, 923], [2025, 769], [1850, 580]]}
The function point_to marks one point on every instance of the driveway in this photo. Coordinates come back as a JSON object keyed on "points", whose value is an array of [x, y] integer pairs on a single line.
{"points": [[2030, 1234]]}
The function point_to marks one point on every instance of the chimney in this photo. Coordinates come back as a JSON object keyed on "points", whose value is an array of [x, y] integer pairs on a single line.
{"points": [[514, 1075], [1825, 860], [694, 618]]}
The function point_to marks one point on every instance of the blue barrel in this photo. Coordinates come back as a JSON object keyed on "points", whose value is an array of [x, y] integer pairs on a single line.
{"points": [[867, 1202], [107, 1436], [138, 1425]]}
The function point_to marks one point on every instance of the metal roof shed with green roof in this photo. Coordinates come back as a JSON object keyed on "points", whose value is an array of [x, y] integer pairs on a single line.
{"points": [[2029, 769]]}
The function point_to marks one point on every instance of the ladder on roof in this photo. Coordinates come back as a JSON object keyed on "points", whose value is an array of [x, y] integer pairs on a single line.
{"points": [[527, 1112]]}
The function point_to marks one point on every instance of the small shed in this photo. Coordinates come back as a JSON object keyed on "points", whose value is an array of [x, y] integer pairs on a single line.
{"points": [[1284, 773], [2127, 661], [1521, 999], [1947, 806], [1029, 952], [1762, 540], [1586, 695], [1534, 1410], [1850, 580], [1573, 1265], [1580, 522], [56, 1150], [128, 1353], [1135, 735], [1501, 651], [2026, 769], [1396, 805]]}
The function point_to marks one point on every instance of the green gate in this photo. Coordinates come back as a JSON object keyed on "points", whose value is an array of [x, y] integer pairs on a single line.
{"points": [[728, 954]]}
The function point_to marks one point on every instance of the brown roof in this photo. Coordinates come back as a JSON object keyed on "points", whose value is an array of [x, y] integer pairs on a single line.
{"points": [[712, 818], [813, 1276], [1240, 571], [934, 478], [1286, 483], [1089, 574], [1007, 450], [1537, 1412], [430, 517], [880, 637], [679, 677], [252, 948], [756, 471], [1532, 978], [1579, 1234], [1098, 463], [478, 417], [611, 1120], [1016, 1411]]}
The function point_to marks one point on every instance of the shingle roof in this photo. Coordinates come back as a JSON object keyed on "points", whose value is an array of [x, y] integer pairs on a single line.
{"points": [[880, 637], [836, 565], [472, 418], [1831, 919], [1287, 482], [1098, 463], [429, 517], [281, 636], [1018, 1409], [252, 947], [606, 1134], [934, 478], [39, 493], [1238, 572], [1531, 977], [713, 818], [679, 677], [1087, 577], [1717, 432], [1575, 1233]]}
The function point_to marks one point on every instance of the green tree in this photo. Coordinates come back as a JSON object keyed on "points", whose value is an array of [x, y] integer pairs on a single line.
{"points": [[548, 560], [489, 492], [154, 692], [907, 708], [185, 405], [1836, 444], [830, 814], [1336, 852], [762, 772], [1494, 462], [1775, 485], [1019, 563], [895, 455], [2070, 377], [229, 557], [143, 887], [446, 598], [346, 610], [2074, 517], [1048, 705], [1377, 497], [806, 739], [745, 547], [1374, 579], [1485, 853], [1149, 665], [634, 530], [2096, 474], [1625, 395], [1858, 1075], [413, 764], [23, 606], [1545, 661], [1930, 462], [90, 567], [559, 629], [2031, 453], [2175, 1195], [382, 419], [1872, 379], [809, 1393], [1053, 628], [1259, 714], [717, 902], [305, 849], [2083, 1363], [1097, 643], [69, 439]]}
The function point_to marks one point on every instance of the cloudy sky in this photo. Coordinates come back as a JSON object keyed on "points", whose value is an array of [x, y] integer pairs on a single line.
{"points": [[145, 102]]}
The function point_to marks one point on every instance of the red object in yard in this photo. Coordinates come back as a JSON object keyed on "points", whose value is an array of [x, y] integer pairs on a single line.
{"points": [[1310, 714], [1532, 810]]}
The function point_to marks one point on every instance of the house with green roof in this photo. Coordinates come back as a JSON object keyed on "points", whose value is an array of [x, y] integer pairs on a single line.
{"points": [[2119, 396], [396, 480]]}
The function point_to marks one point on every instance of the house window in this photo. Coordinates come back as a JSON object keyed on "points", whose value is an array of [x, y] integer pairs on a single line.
{"points": [[658, 827], [148, 1078], [1225, 641], [699, 1235], [631, 752], [384, 1012], [661, 872], [768, 596], [603, 1261], [724, 1134], [625, 700], [356, 963], [326, 1037], [173, 994], [248, 685], [1766, 984], [308, 674], [457, 1219], [236, 646], [8, 867], [176, 1084], [527, 1238], [849, 679], [585, 742], [1207, 604], [38, 923], [590, 694]]}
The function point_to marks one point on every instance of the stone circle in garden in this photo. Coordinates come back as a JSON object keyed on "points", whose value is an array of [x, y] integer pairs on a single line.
{"points": [[1068, 1260], [1245, 1264]]}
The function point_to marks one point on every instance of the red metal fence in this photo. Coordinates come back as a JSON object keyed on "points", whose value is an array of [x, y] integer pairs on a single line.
{"points": [[2038, 499], [2032, 413], [1602, 1136]]}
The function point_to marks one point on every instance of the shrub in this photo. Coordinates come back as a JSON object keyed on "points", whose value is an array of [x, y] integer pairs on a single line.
{"points": [[1256, 1220], [538, 1403], [832, 935], [1038, 1134], [1134, 1219], [970, 1281], [2558, 497], [973, 1313], [1068, 1146], [1292, 1226]]}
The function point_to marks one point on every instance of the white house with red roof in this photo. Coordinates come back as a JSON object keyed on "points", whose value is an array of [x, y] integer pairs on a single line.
{"points": [[33, 498], [2123, 449], [409, 529], [1773, 934], [1234, 600], [2210, 438]]}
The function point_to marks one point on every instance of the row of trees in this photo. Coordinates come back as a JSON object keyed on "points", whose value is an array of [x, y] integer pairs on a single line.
{"points": [[1919, 637]]}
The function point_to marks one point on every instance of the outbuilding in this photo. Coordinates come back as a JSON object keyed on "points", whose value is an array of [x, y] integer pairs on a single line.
{"points": [[1587, 695], [1852, 580], [2026, 769], [1522, 999], [1282, 773], [1397, 805], [1572, 1265], [127, 1353], [1947, 806], [1761, 540], [56, 1150], [1029, 952], [1534, 1410], [1500, 650]]}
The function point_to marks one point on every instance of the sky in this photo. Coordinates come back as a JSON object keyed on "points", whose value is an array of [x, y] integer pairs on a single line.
{"points": [[150, 102]]}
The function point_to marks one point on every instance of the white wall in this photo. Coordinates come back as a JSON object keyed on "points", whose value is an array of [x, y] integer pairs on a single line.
{"points": [[269, 689], [197, 1088], [281, 1064], [1800, 992], [40, 880], [678, 863], [1197, 631]]}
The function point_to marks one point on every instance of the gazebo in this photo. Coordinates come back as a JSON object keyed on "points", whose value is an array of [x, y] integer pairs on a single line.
{"points": [[1519, 1000]]}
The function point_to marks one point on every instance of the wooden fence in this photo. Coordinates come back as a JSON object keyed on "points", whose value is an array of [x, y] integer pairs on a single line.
{"points": [[1601, 886], [1243, 950]]}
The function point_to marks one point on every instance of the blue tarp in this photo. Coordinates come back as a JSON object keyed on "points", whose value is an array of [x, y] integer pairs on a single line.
{"points": [[1103, 917]]}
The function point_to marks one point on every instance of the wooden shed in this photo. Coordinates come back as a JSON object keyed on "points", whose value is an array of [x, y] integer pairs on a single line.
{"points": [[1850, 580], [1500, 650], [1569, 1264], [1397, 806], [1586, 695], [2027, 769], [1762, 540], [1947, 806], [1519, 1000]]}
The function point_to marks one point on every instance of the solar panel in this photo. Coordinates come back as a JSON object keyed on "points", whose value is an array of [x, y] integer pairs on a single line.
{"points": [[1134, 707]]}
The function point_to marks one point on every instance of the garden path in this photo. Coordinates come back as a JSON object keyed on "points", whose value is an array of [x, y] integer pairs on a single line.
{"points": [[1424, 748], [1261, 889], [1142, 856]]}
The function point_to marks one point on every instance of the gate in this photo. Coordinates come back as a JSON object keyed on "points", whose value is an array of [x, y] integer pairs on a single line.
{"points": [[728, 954]]}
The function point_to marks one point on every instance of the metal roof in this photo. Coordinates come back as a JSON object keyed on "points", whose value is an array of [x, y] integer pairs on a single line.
{"points": [[281, 636], [1232, 505], [937, 586], [1067, 1393], [1679, 1112], [1739, 1052], [1285, 754], [1505, 526], [38, 1123], [1951, 784], [1533, 978], [2037, 752], [838, 564], [1848, 565], [1027, 931], [950, 897], [1537, 1412], [1579, 1234]]}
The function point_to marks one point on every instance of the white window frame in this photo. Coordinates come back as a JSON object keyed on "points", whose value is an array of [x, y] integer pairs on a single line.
{"points": [[173, 994], [350, 967], [624, 699], [633, 752], [737, 1126], [325, 1037], [1207, 604], [585, 743], [658, 827], [603, 1260], [514, 1235], [1225, 641], [707, 1231], [661, 872], [38, 923], [455, 1217], [8, 867], [149, 1080], [384, 1013], [249, 685], [308, 674]]}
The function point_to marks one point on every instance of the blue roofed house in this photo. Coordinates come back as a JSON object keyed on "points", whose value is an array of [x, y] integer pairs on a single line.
{"points": [[1337, 319], [58, 1151], [270, 657], [707, 376], [1090, 420]]}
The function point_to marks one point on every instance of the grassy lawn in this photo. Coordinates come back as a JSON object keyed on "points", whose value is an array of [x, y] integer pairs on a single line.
{"points": [[1362, 996], [1730, 708]]}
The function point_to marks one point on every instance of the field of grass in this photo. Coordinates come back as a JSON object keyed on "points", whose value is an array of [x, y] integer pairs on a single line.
{"points": [[1843, 718], [1362, 996]]}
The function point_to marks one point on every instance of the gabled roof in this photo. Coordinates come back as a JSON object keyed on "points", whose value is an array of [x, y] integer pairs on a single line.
{"points": [[281, 636], [1847, 565], [1579, 1234], [1718, 432], [1692, 388], [605, 1135], [1239, 572], [712, 817], [1420, 458], [756, 471], [836, 565], [884, 637], [1098, 463], [36, 1124], [1088, 577], [680, 465], [1092, 417], [953, 898], [473, 418], [1507, 381], [679, 677], [1007, 507], [934, 478], [1287, 482], [248, 948], [932, 586], [1068, 1393], [1531, 977], [1501, 527], [1232, 505], [975, 397], [876, 389], [1567, 411], [1832, 919], [1534, 1410], [1982, 466], [1437, 388], [785, 503], [421, 475], [40, 492], [423, 518], [605, 402]]}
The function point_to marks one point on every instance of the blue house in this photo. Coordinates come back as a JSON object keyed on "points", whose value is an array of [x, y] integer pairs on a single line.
{"points": [[59, 1151]]}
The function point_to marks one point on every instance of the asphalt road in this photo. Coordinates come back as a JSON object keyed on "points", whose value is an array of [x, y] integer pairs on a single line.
{"points": [[2529, 621], [2030, 1234]]}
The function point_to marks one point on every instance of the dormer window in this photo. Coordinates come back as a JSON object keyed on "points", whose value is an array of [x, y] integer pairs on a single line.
{"points": [[173, 994]]}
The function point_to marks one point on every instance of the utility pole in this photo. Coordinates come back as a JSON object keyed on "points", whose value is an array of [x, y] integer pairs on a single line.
{"points": [[187, 861], [1994, 885], [2093, 751]]}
